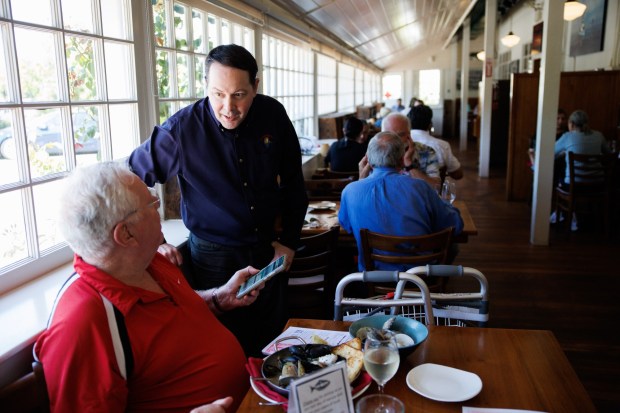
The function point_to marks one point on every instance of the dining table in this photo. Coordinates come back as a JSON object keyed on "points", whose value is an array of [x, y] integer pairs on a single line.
{"points": [[323, 215], [519, 369]]}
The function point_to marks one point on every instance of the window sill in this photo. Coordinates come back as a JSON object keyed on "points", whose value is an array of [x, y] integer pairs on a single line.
{"points": [[24, 311]]}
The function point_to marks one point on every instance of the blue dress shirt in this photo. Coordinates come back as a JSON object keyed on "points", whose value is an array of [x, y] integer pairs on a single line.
{"points": [[394, 204]]}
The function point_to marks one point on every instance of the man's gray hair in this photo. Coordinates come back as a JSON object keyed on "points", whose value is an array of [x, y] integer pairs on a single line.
{"points": [[386, 149], [94, 200], [579, 118]]}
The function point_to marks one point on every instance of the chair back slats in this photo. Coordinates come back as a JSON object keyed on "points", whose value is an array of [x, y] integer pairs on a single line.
{"points": [[329, 174], [311, 277], [414, 250], [326, 189], [590, 183]]}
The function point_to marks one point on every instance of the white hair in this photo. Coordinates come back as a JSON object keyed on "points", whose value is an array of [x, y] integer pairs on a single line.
{"points": [[95, 199]]}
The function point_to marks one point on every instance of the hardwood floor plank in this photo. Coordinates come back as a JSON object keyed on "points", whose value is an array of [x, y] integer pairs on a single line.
{"points": [[569, 287]]}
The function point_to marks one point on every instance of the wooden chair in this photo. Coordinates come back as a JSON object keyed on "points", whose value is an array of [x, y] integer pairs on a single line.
{"points": [[590, 186], [329, 174], [413, 251], [311, 281], [326, 189], [27, 394]]}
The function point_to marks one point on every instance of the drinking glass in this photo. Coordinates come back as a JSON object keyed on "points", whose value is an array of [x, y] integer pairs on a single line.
{"points": [[448, 191], [379, 403], [381, 358]]}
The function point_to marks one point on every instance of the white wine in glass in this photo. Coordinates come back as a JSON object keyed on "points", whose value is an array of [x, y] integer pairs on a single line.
{"points": [[381, 358]]}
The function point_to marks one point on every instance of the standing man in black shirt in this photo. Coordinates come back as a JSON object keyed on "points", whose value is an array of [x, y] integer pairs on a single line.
{"points": [[238, 162]]}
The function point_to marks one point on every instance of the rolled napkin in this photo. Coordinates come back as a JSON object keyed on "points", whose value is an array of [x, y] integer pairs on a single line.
{"points": [[254, 367]]}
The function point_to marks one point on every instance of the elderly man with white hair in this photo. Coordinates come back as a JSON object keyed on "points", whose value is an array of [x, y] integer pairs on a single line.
{"points": [[127, 332]]}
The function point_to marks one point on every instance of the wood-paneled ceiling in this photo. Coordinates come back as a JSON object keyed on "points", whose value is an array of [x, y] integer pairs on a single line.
{"points": [[383, 32]]}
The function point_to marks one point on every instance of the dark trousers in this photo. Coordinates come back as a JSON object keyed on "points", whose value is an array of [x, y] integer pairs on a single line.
{"points": [[256, 325]]}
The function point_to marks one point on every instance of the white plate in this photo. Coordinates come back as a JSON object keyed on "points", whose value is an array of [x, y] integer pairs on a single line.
{"points": [[323, 205], [270, 400], [443, 383]]}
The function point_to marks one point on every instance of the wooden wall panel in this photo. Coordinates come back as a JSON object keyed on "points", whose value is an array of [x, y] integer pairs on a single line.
{"points": [[598, 93]]}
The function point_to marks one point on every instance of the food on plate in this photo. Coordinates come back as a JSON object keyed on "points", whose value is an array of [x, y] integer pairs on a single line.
{"points": [[351, 351], [318, 340], [302, 359]]}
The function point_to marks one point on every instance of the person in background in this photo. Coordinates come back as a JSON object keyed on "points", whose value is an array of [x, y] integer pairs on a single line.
{"points": [[393, 203], [238, 162], [421, 117], [181, 356], [419, 161], [345, 154], [560, 129], [398, 106], [579, 139], [412, 103], [383, 112]]}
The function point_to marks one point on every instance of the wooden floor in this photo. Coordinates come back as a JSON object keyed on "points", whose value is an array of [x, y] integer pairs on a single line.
{"points": [[570, 287]]}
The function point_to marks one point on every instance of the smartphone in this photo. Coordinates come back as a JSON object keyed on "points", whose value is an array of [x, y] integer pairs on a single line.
{"points": [[262, 276]]}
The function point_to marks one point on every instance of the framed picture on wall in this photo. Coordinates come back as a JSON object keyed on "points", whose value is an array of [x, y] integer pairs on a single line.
{"points": [[588, 31], [475, 76], [537, 37]]}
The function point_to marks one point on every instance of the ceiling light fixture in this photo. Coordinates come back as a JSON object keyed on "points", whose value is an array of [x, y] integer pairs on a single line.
{"points": [[510, 39], [573, 9], [481, 55]]}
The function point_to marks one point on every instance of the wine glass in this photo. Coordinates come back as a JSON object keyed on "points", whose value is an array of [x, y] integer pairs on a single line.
{"points": [[381, 360], [448, 191]]}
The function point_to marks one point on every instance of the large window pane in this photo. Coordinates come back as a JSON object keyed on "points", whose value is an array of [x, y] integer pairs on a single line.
{"points": [[8, 163], [160, 25], [5, 93], [124, 129], [183, 72], [198, 20], [33, 11], [77, 15], [115, 15], [199, 76], [38, 65], [13, 245], [81, 68], [120, 70], [86, 134], [46, 210], [46, 132], [180, 27], [163, 73], [430, 86]]}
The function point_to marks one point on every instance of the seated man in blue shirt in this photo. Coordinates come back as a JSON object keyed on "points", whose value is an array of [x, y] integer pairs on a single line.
{"points": [[391, 203]]}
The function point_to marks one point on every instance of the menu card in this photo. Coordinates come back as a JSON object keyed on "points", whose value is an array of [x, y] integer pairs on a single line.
{"points": [[333, 338], [324, 391]]}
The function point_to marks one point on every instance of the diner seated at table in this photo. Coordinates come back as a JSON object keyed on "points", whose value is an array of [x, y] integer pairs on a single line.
{"points": [[127, 333], [421, 118], [345, 153], [392, 203], [419, 160]]}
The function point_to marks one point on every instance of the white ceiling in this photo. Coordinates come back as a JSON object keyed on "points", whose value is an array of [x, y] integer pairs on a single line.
{"points": [[383, 32]]}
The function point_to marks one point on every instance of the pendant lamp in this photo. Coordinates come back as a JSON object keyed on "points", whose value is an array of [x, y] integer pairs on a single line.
{"points": [[573, 9], [510, 39]]}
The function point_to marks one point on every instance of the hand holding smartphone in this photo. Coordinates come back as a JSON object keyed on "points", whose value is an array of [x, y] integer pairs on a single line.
{"points": [[261, 277]]}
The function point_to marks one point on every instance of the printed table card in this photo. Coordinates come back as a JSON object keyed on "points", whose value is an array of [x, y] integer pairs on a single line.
{"points": [[325, 391]]}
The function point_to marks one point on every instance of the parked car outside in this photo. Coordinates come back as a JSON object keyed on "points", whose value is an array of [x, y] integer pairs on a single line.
{"points": [[47, 135]]}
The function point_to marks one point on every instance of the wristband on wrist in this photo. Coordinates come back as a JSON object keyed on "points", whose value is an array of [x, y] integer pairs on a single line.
{"points": [[215, 301], [410, 167]]}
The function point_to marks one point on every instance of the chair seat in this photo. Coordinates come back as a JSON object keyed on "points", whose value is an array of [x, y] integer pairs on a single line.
{"points": [[317, 279]]}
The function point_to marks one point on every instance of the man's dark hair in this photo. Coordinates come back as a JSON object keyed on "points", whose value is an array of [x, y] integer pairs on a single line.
{"points": [[420, 117], [232, 55], [353, 127]]}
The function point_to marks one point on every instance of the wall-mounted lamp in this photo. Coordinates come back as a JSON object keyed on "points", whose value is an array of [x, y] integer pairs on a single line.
{"points": [[481, 55], [510, 39], [573, 9]]}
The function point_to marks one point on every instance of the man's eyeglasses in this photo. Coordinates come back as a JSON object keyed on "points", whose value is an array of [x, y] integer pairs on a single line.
{"points": [[156, 203]]}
